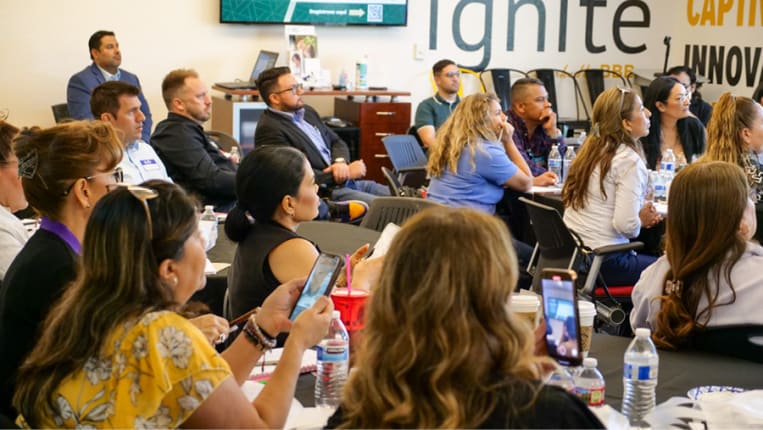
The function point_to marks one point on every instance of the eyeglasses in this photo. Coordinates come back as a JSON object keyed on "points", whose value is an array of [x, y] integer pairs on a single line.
{"points": [[293, 89], [451, 75], [117, 174], [143, 194], [623, 92]]}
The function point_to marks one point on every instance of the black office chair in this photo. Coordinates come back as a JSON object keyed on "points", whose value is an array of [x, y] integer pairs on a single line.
{"points": [[559, 247], [395, 187], [61, 112], [499, 80], [385, 210], [595, 81], [407, 158], [555, 81]]}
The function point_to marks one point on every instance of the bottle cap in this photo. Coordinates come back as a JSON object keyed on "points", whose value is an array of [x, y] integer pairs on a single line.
{"points": [[643, 332], [336, 314], [209, 208], [590, 362]]}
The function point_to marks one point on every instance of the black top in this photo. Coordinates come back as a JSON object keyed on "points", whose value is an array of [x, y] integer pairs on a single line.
{"points": [[276, 129], [195, 162], [34, 281], [250, 279], [553, 409], [701, 109], [691, 132]]}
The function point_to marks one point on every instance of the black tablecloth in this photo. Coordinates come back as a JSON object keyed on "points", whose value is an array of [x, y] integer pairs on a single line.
{"points": [[679, 371]]}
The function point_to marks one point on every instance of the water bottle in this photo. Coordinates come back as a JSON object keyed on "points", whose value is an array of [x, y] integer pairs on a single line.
{"points": [[361, 73], [668, 164], [660, 191], [562, 378], [235, 155], [651, 179], [555, 161], [208, 226], [640, 378], [569, 155], [589, 383], [333, 364], [581, 139]]}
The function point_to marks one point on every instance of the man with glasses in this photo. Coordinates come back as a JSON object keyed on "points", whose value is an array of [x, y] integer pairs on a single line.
{"points": [[288, 121], [433, 111], [118, 103], [535, 129], [192, 159], [106, 56]]}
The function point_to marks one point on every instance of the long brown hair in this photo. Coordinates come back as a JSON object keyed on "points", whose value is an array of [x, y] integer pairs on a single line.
{"points": [[119, 279], [610, 109], [464, 128], [706, 204], [440, 344], [730, 115]]}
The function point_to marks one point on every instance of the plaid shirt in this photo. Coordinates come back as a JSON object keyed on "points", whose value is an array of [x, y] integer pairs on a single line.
{"points": [[535, 148]]}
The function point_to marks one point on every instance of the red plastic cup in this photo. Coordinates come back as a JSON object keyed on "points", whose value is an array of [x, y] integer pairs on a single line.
{"points": [[351, 306]]}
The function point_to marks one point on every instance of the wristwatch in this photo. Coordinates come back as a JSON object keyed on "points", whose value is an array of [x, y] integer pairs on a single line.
{"points": [[340, 160]]}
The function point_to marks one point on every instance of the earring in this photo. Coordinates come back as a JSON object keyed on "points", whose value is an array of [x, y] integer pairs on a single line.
{"points": [[174, 281]]}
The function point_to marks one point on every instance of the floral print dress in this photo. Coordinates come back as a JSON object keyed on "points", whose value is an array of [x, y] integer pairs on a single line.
{"points": [[154, 372]]}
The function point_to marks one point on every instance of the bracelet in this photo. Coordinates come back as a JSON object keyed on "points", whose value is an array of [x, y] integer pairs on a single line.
{"points": [[257, 336]]}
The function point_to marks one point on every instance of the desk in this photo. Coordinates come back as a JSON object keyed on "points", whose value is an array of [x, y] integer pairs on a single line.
{"points": [[679, 371]]}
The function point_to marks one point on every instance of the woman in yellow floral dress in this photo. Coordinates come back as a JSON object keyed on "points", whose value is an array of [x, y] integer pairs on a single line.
{"points": [[114, 354]]}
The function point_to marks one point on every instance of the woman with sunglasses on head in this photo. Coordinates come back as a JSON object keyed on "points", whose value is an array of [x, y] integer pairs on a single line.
{"points": [[673, 126], [13, 234], [604, 192], [113, 353], [64, 171]]}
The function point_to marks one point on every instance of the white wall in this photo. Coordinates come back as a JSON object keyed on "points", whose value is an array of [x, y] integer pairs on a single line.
{"points": [[45, 42]]}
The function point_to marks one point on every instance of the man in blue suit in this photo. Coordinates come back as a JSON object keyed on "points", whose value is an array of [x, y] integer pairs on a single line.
{"points": [[106, 56]]}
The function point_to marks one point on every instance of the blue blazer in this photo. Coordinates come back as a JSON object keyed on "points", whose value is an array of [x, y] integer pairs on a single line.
{"points": [[81, 85]]}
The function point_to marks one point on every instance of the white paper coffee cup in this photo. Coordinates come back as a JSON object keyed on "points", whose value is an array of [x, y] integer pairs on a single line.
{"points": [[526, 306], [587, 312]]}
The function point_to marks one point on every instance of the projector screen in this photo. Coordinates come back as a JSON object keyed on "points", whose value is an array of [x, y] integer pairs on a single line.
{"points": [[327, 12]]}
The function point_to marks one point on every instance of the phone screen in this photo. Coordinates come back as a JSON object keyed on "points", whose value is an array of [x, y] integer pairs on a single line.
{"points": [[319, 282], [562, 318]]}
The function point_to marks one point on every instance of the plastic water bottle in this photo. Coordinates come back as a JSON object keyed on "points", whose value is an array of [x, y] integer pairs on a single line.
{"points": [[651, 179], [562, 378], [660, 189], [569, 155], [589, 383], [208, 226], [235, 155], [668, 164], [640, 378], [361, 73], [555, 161], [333, 364], [581, 139]]}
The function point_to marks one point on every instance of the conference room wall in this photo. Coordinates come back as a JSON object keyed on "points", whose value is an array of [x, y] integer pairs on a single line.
{"points": [[45, 42]]}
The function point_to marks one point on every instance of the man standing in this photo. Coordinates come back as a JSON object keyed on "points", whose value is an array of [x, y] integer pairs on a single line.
{"points": [[535, 128], [193, 160], [117, 103], [433, 111], [106, 56], [288, 121]]}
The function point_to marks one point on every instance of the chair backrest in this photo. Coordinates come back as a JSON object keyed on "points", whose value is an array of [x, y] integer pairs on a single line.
{"points": [[556, 246], [595, 81], [404, 151], [563, 93], [224, 140], [337, 238], [499, 81], [384, 210], [60, 112]]}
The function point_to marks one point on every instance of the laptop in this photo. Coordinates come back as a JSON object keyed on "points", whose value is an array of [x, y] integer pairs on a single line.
{"points": [[265, 60]]}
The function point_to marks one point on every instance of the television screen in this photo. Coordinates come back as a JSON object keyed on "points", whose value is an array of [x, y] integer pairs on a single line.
{"points": [[329, 12]]}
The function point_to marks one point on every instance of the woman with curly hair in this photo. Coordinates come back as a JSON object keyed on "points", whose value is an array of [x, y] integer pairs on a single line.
{"points": [[710, 274], [441, 346]]}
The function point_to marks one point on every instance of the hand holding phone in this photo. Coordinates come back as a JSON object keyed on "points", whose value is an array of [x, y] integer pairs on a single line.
{"points": [[319, 282], [560, 308]]}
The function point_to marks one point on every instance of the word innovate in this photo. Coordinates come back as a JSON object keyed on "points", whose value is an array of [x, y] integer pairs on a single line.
{"points": [[731, 63], [513, 6]]}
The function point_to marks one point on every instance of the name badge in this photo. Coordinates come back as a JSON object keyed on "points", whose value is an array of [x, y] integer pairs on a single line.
{"points": [[149, 164]]}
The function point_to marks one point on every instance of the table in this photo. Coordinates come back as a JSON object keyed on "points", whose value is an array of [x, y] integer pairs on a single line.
{"points": [[679, 370]]}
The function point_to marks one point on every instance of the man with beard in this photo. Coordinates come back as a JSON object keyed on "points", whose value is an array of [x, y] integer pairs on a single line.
{"points": [[433, 111]]}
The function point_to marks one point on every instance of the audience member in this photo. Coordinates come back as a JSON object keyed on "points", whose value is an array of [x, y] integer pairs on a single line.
{"points": [[113, 353], [277, 191], [64, 171], [288, 121], [698, 107], [107, 57], [13, 234], [433, 111], [604, 192], [193, 160], [118, 104], [757, 95], [441, 347], [475, 159], [710, 274], [535, 129], [672, 126]]}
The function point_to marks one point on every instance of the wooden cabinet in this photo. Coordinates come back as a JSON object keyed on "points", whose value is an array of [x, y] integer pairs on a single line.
{"points": [[375, 120]]}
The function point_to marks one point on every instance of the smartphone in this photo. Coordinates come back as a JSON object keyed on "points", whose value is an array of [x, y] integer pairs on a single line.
{"points": [[319, 282], [560, 308]]}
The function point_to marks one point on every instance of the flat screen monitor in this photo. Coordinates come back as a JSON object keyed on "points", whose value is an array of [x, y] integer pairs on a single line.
{"points": [[316, 12]]}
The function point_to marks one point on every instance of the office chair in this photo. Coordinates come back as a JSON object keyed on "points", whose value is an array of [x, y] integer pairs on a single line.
{"points": [[408, 159], [500, 82], [337, 238], [555, 81], [224, 140], [60, 112], [385, 210], [559, 247]]}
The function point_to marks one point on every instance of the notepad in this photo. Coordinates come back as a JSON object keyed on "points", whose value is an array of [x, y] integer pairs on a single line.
{"points": [[385, 240], [270, 360]]}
